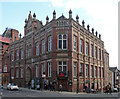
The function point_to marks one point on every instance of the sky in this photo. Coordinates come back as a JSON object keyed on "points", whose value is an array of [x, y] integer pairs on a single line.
{"points": [[102, 15]]}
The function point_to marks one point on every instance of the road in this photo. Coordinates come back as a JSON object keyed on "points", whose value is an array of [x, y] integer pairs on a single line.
{"points": [[23, 92]]}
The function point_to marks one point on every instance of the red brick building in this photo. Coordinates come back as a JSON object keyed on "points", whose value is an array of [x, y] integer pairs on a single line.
{"points": [[6, 38], [4, 43], [62, 50]]}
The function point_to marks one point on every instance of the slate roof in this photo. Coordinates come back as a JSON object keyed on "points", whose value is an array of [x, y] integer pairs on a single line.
{"points": [[62, 17]]}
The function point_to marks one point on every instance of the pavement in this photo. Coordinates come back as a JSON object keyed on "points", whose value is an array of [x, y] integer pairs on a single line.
{"points": [[25, 92]]}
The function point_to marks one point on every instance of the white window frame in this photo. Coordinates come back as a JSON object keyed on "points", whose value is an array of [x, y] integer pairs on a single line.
{"points": [[75, 69], [62, 65], [37, 48], [92, 50], [62, 41], [21, 72], [81, 45], [17, 54], [81, 68], [5, 69], [43, 46], [99, 54], [102, 75], [86, 48], [96, 52], [74, 43], [50, 43], [49, 69], [37, 70], [21, 53], [17, 72]]}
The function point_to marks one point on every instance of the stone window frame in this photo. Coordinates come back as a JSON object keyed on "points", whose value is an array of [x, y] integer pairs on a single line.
{"points": [[75, 43], [62, 41], [37, 70], [81, 45], [37, 48], [43, 45], [17, 72], [49, 69], [87, 70], [87, 48], [75, 69], [62, 65], [92, 54], [50, 43]]}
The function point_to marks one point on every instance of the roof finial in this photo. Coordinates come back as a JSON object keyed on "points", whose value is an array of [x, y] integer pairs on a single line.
{"points": [[47, 19], [77, 18], [34, 15], [83, 23], [70, 14]]}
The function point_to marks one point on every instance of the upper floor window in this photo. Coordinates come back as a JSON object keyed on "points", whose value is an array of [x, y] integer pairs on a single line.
{"points": [[95, 52], [50, 43], [17, 54], [12, 56], [75, 42], [81, 45], [91, 50], [99, 54], [107, 61], [37, 48], [49, 69], [86, 48], [62, 67], [21, 53], [62, 41], [43, 46], [102, 54]]}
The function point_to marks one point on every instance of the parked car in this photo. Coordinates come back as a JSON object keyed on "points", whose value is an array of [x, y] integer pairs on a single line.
{"points": [[12, 86], [115, 89]]}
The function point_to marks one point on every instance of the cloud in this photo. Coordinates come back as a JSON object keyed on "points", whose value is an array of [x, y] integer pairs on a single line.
{"points": [[24, 0], [105, 20]]}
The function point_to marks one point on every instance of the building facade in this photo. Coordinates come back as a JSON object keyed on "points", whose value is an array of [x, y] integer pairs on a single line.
{"points": [[6, 38], [4, 43], [62, 51]]}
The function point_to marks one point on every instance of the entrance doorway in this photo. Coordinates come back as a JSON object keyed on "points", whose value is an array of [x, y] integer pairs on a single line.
{"points": [[28, 74]]}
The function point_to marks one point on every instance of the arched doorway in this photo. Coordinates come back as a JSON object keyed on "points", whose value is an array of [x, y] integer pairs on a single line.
{"points": [[28, 74]]}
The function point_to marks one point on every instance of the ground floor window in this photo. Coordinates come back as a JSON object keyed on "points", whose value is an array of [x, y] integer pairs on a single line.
{"points": [[75, 69], [49, 69], [43, 68], [62, 67]]}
